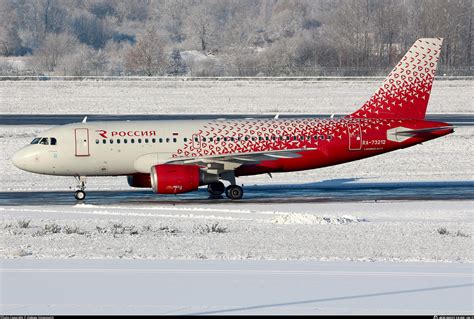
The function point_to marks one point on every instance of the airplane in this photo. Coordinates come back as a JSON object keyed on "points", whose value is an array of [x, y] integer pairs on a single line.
{"points": [[178, 156]]}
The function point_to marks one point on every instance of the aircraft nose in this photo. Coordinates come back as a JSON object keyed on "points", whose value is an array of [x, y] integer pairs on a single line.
{"points": [[23, 159]]}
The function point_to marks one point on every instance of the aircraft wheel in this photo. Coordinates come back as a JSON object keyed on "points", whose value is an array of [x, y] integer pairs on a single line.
{"points": [[80, 195], [234, 192], [216, 188]]}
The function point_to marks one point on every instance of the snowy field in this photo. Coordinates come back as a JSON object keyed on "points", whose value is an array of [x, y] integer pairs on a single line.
{"points": [[431, 231], [124, 286], [212, 97], [448, 158]]}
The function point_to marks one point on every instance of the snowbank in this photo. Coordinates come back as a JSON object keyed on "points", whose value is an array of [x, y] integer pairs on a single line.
{"points": [[388, 231]]}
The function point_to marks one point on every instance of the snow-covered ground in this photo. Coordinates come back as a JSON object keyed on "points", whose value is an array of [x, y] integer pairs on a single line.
{"points": [[123, 286], [212, 97], [448, 158], [382, 231]]}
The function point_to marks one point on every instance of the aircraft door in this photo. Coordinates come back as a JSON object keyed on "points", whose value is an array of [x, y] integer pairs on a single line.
{"points": [[355, 136], [82, 141]]}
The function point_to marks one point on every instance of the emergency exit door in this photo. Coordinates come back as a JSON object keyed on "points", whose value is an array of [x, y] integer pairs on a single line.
{"points": [[82, 141]]}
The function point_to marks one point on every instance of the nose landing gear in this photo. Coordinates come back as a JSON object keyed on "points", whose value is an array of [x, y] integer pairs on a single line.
{"points": [[80, 194]]}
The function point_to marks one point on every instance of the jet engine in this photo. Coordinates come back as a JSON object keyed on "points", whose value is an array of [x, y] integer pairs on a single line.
{"points": [[139, 180], [175, 179]]}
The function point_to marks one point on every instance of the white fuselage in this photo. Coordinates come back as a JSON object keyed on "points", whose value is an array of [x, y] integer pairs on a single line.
{"points": [[80, 150]]}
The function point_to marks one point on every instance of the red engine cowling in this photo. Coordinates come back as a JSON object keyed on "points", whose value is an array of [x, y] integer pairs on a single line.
{"points": [[139, 180], [175, 179]]}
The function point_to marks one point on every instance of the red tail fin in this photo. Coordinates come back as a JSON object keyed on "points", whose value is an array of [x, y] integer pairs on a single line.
{"points": [[406, 90]]}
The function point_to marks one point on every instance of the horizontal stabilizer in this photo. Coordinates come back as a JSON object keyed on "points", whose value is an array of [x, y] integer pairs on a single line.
{"points": [[424, 130]]}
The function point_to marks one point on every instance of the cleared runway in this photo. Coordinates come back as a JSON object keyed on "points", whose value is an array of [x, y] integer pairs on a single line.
{"points": [[233, 287], [326, 191]]}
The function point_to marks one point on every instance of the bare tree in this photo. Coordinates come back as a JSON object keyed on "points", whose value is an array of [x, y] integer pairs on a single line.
{"points": [[147, 56], [10, 42], [54, 48], [201, 27]]}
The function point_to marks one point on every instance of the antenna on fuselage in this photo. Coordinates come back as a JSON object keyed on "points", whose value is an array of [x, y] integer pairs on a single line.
{"points": [[276, 116], [332, 115], [84, 120]]}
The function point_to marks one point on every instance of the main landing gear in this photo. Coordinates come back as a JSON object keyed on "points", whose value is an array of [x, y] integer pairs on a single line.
{"points": [[80, 194], [232, 191], [216, 188]]}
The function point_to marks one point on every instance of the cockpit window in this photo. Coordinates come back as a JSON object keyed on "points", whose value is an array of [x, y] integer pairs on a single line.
{"points": [[44, 140]]}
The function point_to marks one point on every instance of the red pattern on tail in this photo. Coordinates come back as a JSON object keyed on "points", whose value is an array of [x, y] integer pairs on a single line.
{"points": [[405, 92]]}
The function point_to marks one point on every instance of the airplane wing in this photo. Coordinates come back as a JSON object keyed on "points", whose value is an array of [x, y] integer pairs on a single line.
{"points": [[232, 161]]}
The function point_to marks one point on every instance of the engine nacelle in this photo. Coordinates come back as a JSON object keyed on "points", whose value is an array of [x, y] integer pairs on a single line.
{"points": [[176, 179], [139, 180]]}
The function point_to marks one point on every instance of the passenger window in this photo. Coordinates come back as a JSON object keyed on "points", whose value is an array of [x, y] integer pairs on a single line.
{"points": [[232, 139], [146, 140], [321, 137], [167, 140], [160, 140], [132, 141], [36, 140], [53, 141], [174, 140], [139, 140], [287, 138], [104, 141], [267, 138], [196, 139], [315, 137], [153, 140], [210, 139], [218, 139], [254, 138], [203, 139], [118, 141], [125, 141], [260, 138], [329, 137], [111, 141], [185, 139], [273, 138], [97, 141], [246, 138], [225, 139]]}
